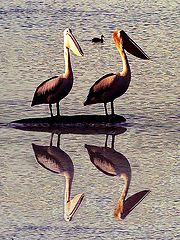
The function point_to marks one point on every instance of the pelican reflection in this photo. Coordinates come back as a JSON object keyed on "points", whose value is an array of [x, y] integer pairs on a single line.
{"points": [[57, 161], [112, 163]]}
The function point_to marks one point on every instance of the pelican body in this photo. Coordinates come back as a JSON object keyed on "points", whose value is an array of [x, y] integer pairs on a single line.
{"points": [[113, 163], [113, 85], [97, 40], [56, 88], [57, 161]]}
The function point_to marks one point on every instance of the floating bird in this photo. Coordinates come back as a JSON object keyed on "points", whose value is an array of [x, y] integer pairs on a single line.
{"points": [[113, 163], [96, 40], [57, 161], [113, 85], [56, 88]]}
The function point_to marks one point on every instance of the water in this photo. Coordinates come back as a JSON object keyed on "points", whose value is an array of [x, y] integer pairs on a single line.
{"points": [[32, 198]]}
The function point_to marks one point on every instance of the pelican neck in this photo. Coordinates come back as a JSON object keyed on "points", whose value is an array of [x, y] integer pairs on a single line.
{"points": [[68, 68], [126, 67]]}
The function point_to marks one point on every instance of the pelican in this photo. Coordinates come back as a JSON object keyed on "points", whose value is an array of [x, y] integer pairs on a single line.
{"points": [[56, 88], [113, 85], [57, 161], [96, 40], [113, 163]]}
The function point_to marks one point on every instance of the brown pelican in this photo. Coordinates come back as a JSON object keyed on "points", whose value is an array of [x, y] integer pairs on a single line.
{"points": [[113, 85], [96, 40], [113, 163], [57, 161], [56, 88]]}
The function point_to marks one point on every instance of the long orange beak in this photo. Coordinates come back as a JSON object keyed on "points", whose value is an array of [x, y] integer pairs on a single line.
{"points": [[131, 47], [133, 201], [72, 44]]}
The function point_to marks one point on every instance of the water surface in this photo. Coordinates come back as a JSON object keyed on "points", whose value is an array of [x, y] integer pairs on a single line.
{"points": [[32, 198]]}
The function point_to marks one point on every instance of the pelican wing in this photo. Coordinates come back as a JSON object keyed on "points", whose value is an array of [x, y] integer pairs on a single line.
{"points": [[100, 86], [53, 159], [104, 166], [45, 89], [108, 161], [45, 159], [99, 159]]}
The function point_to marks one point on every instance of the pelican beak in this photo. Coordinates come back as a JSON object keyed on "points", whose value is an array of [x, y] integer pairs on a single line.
{"points": [[72, 206], [131, 47], [133, 201], [73, 44]]}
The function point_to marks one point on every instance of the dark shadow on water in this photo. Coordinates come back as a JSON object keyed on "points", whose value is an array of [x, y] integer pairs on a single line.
{"points": [[77, 124], [112, 163]]}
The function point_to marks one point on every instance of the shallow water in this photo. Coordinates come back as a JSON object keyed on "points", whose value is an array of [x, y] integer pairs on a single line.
{"points": [[31, 197]]}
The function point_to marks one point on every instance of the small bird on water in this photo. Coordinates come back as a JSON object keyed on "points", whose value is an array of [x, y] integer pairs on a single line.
{"points": [[96, 40]]}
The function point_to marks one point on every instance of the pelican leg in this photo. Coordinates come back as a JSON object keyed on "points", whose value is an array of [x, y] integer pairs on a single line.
{"points": [[58, 112], [51, 141], [112, 108], [113, 141], [50, 107], [105, 107], [58, 140], [106, 141]]}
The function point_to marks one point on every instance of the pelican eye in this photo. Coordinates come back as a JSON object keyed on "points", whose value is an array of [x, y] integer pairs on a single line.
{"points": [[69, 31]]}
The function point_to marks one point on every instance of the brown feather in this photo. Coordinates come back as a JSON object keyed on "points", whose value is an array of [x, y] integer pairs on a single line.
{"points": [[46, 90], [100, 86]]}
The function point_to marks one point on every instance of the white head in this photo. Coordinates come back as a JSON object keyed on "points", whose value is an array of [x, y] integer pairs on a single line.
{"points": [[71, 42]]}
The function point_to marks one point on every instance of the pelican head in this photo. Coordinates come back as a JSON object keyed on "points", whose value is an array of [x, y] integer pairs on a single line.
{"points": [[122, 40], [72, 205], [70, 42], [125, 206]]}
